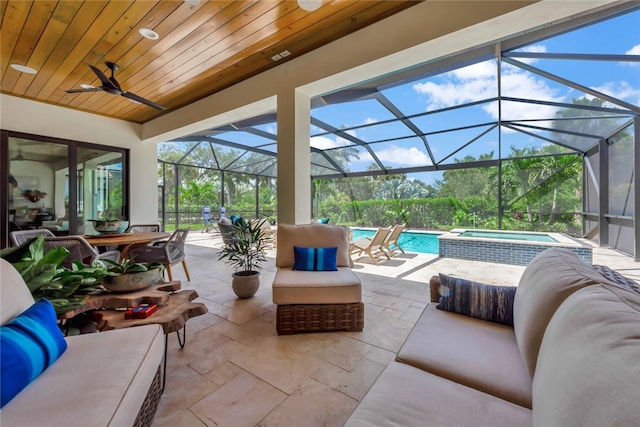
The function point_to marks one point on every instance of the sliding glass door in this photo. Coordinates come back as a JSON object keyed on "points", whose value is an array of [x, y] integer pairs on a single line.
{"points": [[59, 184]]}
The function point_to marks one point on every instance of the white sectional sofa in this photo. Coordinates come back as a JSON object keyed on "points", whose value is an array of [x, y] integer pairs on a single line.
{"points": [[111, 378], [571, 358]]}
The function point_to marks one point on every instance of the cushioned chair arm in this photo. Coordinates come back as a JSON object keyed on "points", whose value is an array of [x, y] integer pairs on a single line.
{"points": [[434, 288]]}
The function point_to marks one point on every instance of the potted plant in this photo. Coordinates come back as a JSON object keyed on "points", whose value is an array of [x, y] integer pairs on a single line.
{"points": [[245, 252], [67, 289], [130, 276]]}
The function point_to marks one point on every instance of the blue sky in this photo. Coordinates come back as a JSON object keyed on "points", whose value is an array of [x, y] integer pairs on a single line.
{"points": [[477, 82]]}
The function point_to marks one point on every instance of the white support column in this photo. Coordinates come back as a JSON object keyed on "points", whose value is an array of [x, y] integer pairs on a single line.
{"points": [[294, 158]]}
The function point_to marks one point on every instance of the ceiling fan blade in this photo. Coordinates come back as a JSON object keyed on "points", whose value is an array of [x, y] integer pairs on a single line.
{"points": [[140, 99], [104, 79], [93, 89]]}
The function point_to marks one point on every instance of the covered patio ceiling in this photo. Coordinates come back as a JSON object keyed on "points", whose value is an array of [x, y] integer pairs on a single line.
{"points": [[528, 95]]}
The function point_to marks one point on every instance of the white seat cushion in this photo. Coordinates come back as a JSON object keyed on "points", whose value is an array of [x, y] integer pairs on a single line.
{"points": [[103, 379], [407, 396], [316, 287]]}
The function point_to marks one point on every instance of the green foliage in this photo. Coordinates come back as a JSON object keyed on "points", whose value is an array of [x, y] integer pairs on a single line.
{"points": [[539, 190], [128, 265], [46, 278], [247, 253]]}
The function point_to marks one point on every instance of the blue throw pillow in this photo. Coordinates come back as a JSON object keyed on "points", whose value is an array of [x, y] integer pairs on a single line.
{"points": [[29, 344], [315, 259], [237, 220], [486, 302]]}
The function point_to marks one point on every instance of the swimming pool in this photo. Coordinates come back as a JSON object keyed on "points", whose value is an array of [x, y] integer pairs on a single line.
{"points": [[506, 247], [411, 241]]}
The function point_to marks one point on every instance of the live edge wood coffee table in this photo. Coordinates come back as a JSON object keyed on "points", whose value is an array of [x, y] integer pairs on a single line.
{"points": [[175, 307]]}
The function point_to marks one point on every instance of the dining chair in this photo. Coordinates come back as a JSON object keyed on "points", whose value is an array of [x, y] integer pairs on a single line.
{"points": [[79, 250], [19, 237], [141, 228], [168, 253]]}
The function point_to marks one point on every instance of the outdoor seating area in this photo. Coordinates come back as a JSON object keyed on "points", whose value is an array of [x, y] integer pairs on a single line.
{"points": [[297, 376], [235, 357]]}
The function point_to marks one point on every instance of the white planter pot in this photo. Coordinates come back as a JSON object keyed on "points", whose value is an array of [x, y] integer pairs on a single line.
{"points": [[245, 286]]}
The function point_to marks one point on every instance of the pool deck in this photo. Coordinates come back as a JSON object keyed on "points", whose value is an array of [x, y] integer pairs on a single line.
{"points": [[235, 370]]}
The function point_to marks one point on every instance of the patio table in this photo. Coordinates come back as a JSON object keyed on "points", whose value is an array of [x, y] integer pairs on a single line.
{"points": [[125, 240]]}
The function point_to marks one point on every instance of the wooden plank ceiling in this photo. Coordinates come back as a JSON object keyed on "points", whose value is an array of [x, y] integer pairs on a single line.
{"points": [[204, 46]]}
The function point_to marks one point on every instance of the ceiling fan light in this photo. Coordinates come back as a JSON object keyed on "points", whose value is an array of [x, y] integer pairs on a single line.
{"points": [[87, 86], [23, 69], [310, 5], [148, 34]]}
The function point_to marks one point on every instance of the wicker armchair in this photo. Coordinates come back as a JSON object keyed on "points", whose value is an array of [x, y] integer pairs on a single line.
{"points": [[227, 232], [19, 237], [79, 250], [168, 253], [316, 301]]}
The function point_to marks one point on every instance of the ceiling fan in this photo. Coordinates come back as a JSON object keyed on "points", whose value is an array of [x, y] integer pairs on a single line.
{"points": [[18, 156], [111, 85]]}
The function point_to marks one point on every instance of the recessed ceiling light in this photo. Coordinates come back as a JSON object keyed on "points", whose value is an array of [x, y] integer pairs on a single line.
{"points": [[86, 86], [193, 2], [148, 34], [310, 5], [23, 69]]}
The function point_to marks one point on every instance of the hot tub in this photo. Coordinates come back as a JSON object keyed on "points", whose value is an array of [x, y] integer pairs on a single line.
{"points": [[506, 247]]}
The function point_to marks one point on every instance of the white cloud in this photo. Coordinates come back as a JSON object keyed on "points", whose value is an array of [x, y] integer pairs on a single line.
{"points": [[479, 81], [634, 50], [323, 143], [370, 120], [397, 156], [326, 143], [621, 90], [533, 49]]}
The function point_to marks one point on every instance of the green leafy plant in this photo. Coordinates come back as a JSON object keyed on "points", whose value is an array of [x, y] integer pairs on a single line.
{"points": [[247, 252], [67, 289], [129, 265]]}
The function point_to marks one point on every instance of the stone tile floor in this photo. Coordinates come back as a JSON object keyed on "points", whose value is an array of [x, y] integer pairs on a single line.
{"points": [[236, 371]]}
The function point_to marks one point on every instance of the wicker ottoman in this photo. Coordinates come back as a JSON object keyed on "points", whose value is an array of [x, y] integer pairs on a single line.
{"points": [[294, 318], [316, 301]]}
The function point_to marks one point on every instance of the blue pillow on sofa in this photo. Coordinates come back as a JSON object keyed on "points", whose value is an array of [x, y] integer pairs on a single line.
{"points": [[315, 259], [29, 344], [486, 302]]}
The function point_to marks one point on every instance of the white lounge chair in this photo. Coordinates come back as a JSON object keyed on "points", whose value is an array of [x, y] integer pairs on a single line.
{"points": [[390, 244], [372, 247]]}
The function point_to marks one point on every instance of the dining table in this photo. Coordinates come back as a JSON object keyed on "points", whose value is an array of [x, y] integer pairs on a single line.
{"points": [[125, 241]]}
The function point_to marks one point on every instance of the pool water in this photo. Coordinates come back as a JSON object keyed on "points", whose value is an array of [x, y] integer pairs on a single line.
{"points": [[425, 243], [525, 237]]}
